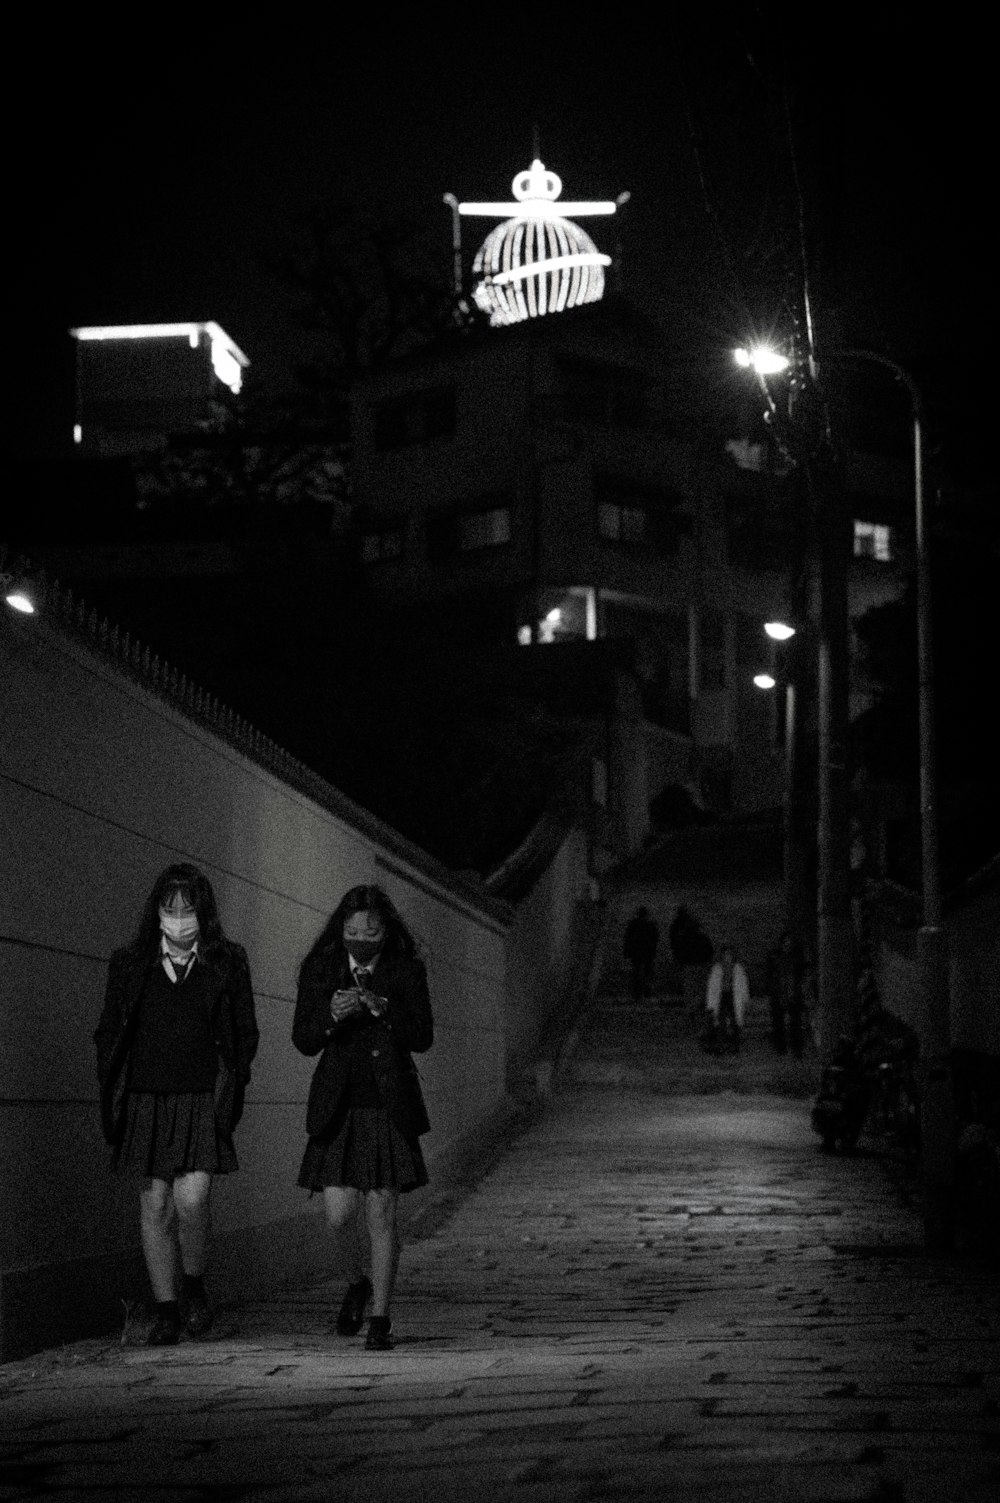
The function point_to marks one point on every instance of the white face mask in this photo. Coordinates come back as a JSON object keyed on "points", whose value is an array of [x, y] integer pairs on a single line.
{"points": [[180, 931]]}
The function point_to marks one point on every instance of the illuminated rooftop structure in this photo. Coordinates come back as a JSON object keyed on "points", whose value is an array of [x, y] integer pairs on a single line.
{"points": [[537, 261], [138, 382]]}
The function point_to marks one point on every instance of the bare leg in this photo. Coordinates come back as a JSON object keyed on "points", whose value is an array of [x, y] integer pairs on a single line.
{"points": [[156, 1223], [380, 1212], [191, 1202], [342, 1205]]}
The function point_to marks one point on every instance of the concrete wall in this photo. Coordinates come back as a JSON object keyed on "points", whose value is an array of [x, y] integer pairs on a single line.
{"points": [[542, 953], [105, 780], [974, 966]]}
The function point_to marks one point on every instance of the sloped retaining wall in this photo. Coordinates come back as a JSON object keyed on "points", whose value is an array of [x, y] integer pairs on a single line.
{"points": [[111, 767]]}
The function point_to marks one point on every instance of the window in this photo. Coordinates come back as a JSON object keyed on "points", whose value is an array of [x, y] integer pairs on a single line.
{"points": [[415, 418], [621, 524], [484, 529], [873, 540], [633, 515], [468, 531], [383, 544]]}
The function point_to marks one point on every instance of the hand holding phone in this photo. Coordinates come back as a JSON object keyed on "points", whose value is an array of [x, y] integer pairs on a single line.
{"points": [[345, 1004]]}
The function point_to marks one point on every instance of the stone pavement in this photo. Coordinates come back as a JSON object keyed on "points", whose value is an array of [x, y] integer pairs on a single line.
{"points": [[660, 1290]]}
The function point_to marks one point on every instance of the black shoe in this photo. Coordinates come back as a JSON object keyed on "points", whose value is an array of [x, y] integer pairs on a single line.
{"points": [[351, 1316], [379, 1338], [165, 1331], [199, 1317]]}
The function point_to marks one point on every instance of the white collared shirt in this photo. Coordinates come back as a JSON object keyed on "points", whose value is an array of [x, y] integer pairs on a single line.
{"points": [[357, 965], [166, 960]]}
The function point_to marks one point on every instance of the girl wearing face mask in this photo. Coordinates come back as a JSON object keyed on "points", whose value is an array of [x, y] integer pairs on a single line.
{"points": [[363, 1007], [174, 1045]]}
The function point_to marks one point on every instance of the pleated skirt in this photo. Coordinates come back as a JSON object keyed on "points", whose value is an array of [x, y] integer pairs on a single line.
{"points": [[368, 1152], [168, 1134]]}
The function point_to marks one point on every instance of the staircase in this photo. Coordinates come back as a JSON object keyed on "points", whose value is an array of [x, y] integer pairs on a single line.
{"points": [[655, 1045], [730, 877]]}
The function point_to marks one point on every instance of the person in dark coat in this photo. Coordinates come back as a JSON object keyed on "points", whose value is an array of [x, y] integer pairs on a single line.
{"points": [[692, 952], [175, 1041], [642, 935], [363, 1006], [785, 989]]}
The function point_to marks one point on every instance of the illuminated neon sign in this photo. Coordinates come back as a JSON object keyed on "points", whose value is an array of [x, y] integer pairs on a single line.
{"points": [[538, 261]]}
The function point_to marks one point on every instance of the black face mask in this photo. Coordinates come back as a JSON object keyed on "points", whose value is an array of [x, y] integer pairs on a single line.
{"points": [[362, 950]]}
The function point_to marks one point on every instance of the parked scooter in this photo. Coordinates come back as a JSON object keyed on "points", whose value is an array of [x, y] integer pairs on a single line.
{"points": [[842, 1104], [894, 1114]]}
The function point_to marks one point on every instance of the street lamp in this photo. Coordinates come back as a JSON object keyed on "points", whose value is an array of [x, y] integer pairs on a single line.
{"points": [[793, 862], [17, 593], [802, 432], [763, 359], [937, 1099]]}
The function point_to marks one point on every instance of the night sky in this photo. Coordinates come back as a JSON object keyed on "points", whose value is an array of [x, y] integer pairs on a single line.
{"points": [[154, 178]]}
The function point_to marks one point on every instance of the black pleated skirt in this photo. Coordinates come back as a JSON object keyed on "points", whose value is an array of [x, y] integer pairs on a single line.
{"points": [[367, 1153], [171, 1134]]}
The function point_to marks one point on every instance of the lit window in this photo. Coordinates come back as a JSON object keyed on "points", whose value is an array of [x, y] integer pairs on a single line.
{"points": [[484, 529], [376, 546], [621, 524], [873, 540]]}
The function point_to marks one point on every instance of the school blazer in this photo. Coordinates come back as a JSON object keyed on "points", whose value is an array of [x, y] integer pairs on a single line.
{"points": [[234, 1025], [389, 1042]]}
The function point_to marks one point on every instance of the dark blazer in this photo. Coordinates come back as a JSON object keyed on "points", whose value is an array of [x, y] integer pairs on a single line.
{"points": [[234, 1024], [388, 1042]]}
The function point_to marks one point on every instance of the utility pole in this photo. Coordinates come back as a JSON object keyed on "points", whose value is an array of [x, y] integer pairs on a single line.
{"points": [[803, 434], [834, 928]]}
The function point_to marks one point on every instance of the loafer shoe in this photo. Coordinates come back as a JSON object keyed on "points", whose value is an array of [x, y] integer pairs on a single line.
{"points": [[351, 1316], [379, 1338], [198, 1318], [165, 1331]]}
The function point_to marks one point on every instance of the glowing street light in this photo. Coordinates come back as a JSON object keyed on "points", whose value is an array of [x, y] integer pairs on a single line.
{"points": [[764, 680], [761, 358], [802, 432], [779, 631], [17, 593]]}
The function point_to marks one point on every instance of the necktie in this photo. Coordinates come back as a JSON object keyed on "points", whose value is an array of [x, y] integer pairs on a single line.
{"points": [[361, 978]]}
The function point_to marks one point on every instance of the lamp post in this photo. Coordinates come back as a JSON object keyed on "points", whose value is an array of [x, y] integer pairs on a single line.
{"points": [[793, 841], [937, 1099], [803, 434]]}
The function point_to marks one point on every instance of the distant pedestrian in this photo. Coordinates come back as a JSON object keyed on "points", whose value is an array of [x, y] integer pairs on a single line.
{"points": [[726, 998], [175, 1041], [364, 1008], [691, 949], [785, 992], [642, 936]]}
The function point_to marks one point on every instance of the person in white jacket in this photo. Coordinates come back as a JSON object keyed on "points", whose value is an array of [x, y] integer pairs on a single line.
{"points": [[726, 999]]}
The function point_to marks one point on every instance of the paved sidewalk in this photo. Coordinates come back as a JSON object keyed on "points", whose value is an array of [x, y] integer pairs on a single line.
{"points": [[653, 1294]]}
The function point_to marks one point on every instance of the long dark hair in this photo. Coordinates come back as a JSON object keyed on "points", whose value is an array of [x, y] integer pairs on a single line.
{"points": [[195, 888], [330, 944]]}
